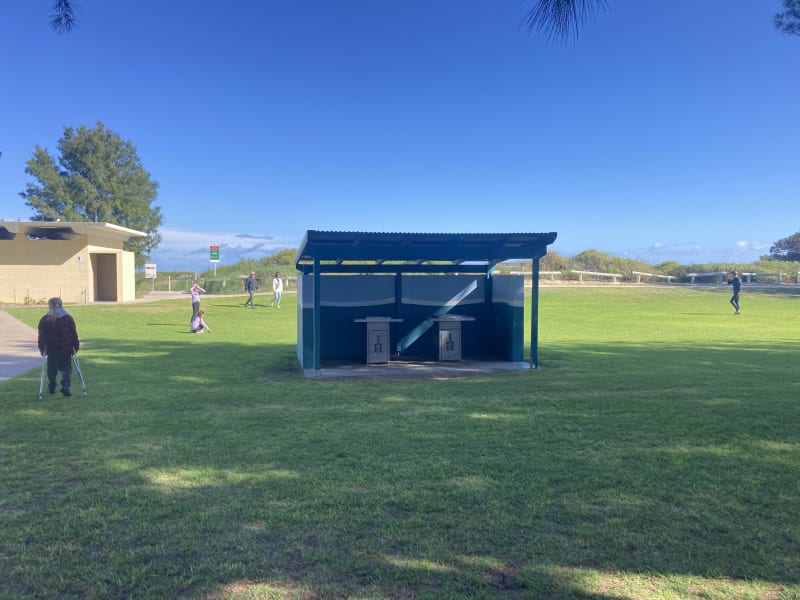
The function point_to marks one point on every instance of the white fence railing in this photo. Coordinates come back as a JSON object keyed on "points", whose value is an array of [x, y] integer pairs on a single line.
{"points": [[581, 274], [640, 274]]}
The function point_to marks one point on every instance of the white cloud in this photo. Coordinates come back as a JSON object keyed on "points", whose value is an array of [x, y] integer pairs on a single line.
{"points": [[695, 253], [189, 250]]}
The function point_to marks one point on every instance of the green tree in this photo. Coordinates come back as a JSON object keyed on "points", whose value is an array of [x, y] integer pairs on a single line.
{"points": [[553, 261], [671, 267], [787, 248], [285, 256], [593, 260], [99, 178]]}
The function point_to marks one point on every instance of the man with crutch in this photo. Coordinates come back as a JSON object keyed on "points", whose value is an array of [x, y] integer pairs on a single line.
{"points": [[58, 341]]}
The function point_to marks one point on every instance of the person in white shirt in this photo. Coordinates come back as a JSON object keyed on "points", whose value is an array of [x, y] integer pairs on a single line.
{"points": [[196, 291], [198, 324], [277, 289]]}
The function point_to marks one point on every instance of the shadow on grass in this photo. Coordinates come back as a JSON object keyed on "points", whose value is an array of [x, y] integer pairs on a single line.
{"points": [[221, 471]]}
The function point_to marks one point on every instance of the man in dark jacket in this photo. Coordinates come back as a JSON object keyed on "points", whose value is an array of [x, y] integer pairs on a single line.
{"points": [[58, 339], [735, 281], [250, 286]]}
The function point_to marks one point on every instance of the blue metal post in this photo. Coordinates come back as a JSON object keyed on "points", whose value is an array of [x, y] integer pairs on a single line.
{"points": [[317, 317], [535, 312]]}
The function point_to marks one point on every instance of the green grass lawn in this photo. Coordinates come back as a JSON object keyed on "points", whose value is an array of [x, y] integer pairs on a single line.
{"points": [[655, 454]]}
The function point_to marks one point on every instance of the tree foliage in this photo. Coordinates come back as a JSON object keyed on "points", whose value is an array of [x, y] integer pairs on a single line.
{"points": [[63, 18], [671, 267], [97, 177], [563, 19], [600, 262], [553, 261], [787, 249], [788, 21]]}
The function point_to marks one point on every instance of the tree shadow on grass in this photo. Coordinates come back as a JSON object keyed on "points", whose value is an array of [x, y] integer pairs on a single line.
{"points": [[188, 473]]}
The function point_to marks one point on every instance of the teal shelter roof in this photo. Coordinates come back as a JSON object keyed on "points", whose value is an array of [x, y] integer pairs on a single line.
{"points": [[373, 252]]}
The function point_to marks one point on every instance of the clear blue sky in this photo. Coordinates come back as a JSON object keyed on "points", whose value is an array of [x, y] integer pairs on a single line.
{"points": [[669, 131]]}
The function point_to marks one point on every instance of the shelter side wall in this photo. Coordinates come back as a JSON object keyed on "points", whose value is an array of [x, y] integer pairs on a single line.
{"points": [[35, 270], [305, 321], [508, 316]]}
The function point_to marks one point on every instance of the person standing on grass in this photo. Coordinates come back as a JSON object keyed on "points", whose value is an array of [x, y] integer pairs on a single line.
{"points": [[58, 340], [735, 281], [250, 286], [198, 324], [277, 290], [196, 291]]}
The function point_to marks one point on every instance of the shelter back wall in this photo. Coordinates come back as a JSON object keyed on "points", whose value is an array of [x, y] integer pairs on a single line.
{"points": [[496, 333]]}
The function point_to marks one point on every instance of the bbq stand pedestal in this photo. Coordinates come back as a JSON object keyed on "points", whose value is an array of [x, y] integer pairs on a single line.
{"points": [[378, 337], [450, 336]]}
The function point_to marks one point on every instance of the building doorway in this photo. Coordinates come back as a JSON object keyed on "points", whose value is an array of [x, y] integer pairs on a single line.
{"points": [[104, 268]]}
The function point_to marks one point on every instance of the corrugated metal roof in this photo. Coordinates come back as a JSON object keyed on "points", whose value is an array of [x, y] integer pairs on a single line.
{"points": [[367, 251]]}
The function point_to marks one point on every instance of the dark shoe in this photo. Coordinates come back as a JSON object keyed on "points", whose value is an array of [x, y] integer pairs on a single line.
{"points": [[66, 391], [51, 388]]}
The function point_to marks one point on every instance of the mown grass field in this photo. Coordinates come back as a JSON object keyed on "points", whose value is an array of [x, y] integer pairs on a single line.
{"points": [[655, 454]]}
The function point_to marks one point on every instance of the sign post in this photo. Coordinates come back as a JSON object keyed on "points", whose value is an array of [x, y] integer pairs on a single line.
{"points": [[214, 252], [150, 273]]}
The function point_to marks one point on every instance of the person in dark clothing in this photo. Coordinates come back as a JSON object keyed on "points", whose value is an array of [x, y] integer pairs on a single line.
{"points": [[250, 286], [735, 281], [58, 340]]}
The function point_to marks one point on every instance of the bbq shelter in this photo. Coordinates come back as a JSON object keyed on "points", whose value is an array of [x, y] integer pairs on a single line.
{"points": [[414, 282], [77, 261]]}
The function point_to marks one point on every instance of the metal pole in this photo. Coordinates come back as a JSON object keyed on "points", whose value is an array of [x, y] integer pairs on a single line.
{"points": [[535, 312], [41, 379], [80, 374]]}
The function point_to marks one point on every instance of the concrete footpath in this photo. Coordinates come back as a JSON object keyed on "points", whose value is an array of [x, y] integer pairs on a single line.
{"points": [[18, 350]]}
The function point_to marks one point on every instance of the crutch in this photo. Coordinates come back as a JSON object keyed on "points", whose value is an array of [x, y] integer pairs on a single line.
{"points": [[41, 379], [80, 374]]}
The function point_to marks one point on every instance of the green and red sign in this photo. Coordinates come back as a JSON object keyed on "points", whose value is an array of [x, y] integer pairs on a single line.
{"points": [[214, 253]]}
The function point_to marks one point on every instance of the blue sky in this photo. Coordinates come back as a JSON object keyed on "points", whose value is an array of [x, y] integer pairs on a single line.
{"points": [[668, 131]]}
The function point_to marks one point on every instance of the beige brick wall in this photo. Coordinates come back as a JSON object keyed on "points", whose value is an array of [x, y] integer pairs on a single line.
{"points": [[127, 280], [31, 271]]}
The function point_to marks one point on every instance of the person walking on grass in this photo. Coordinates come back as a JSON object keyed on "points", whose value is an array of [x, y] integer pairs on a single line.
{"points": [[196, 291], [198, 324], [250, 286], [735, 281], [58, 340], [277, 290]]}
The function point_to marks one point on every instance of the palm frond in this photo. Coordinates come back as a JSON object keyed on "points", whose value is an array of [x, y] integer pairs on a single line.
{"points": [[63, 19], [562, 19]]}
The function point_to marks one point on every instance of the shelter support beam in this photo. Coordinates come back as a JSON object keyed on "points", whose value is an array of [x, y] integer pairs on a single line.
{"points": [[317, 317], [535, 312]]}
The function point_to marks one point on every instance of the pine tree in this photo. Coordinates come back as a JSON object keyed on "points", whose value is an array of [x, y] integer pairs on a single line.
{"points": [[98, 178]]}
